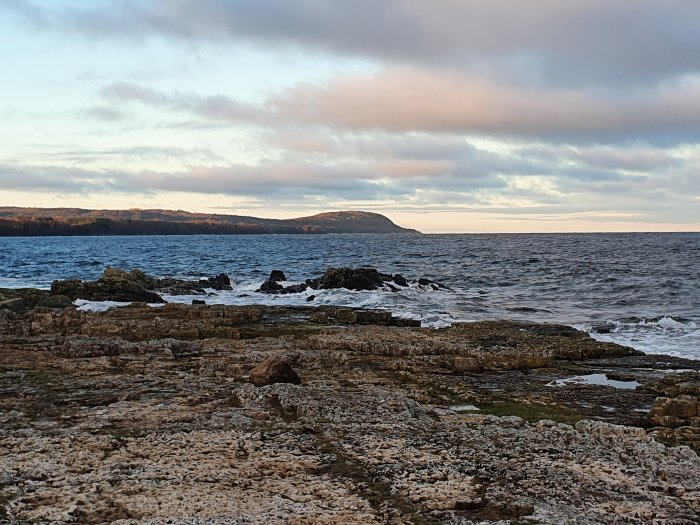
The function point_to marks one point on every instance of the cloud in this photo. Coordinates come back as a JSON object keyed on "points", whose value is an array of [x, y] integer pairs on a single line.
{"points": [[448, 171], [412, 100], [562, 41]]}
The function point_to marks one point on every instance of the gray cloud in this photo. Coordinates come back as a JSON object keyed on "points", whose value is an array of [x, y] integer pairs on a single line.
{"points": [[565, 41], [449, 172]]}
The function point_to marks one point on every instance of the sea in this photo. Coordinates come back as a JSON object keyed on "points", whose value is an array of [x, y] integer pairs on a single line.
{"points": [[637, 289]]}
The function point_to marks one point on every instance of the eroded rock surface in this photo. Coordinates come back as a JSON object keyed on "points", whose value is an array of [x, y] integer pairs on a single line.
{"points": [[145, 415]]}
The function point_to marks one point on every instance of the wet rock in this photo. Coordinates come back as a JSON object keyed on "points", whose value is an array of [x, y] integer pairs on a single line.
{"points": [[271, 284], [294, 288], [310, 298], [113, 285], [352, 279], [430, 284], [277, 276], [219, 282], [273, 370], [270, 287], [400, 280], [174, 286], [198, 301], [403, 322]]}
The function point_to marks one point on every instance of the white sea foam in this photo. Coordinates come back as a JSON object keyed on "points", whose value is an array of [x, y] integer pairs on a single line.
{"points": [[441, 308], [660, 335], [97, 306]]}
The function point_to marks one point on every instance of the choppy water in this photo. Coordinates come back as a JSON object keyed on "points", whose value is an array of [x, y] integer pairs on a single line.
{"points": [[644, 289]]}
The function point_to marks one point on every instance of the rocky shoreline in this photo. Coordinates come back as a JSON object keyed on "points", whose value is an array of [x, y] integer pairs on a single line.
{"points": [[146, 414]]}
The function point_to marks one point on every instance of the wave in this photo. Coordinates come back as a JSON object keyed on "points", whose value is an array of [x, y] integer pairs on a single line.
{"points": [[665, 334]]}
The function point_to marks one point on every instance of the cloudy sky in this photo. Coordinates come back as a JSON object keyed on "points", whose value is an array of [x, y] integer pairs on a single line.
{"points": [[445, 115]]}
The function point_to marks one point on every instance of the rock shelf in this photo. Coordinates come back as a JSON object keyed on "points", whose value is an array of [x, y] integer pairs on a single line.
{"points": [[147, 415]]}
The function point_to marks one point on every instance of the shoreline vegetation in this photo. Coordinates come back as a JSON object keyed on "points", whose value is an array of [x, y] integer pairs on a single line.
{"points": [[20, 222], [317, 414]]}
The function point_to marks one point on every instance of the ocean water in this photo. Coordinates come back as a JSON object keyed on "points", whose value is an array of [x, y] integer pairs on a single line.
{"points": [[641, 290]]}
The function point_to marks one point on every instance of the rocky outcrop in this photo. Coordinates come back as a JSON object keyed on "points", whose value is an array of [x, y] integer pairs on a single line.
{"points": [[271, 284], [273, 370], [352, 279], [113, 285], [148, 415], [133, 286], [173, 286], [358, 279]]}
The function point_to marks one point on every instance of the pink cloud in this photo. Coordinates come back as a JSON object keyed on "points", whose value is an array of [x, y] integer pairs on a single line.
{"points": [[409, 99]]}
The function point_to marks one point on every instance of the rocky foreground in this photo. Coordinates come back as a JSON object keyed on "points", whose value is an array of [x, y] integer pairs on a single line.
{"points": [[147, 414]]}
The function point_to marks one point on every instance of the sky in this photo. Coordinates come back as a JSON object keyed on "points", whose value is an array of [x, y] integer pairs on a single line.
{"points": [[444, 115]]}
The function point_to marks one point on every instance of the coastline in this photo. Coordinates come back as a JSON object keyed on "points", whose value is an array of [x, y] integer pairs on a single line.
{"points": [[144, 415]]}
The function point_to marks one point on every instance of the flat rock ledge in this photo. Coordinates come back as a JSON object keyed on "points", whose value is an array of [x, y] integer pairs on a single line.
{"points": [[146, 415]]}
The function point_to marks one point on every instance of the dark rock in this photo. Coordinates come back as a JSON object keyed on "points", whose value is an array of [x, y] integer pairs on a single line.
{"points": [[619, 377], [377, 317], [410, 323], [184, 287], [277, 276], [352, 279], [270, 287], [113, 285], [313, 283], [181, 287], [198, 301], [470, 503], [400, 280], [310, 298], [431, 284], [295, 288], [603, 329], [220, 282], [273, 370]]}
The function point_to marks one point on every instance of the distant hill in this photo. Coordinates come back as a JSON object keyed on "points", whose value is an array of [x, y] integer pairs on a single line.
{"points": [[75, 221]]}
